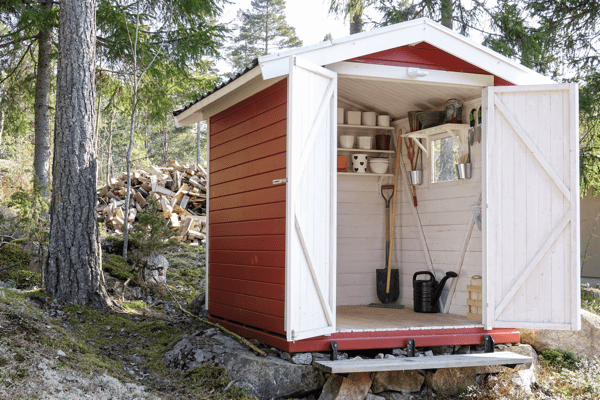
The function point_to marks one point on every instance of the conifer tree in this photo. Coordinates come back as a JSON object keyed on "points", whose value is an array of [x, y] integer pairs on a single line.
{"points": [[261, 30]]}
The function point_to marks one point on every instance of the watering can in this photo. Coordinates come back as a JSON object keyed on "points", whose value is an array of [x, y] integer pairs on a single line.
{"points": [[426, 294]]}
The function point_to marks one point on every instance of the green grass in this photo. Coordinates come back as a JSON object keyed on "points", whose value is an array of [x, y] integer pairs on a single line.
{"points": [[590, 303]]}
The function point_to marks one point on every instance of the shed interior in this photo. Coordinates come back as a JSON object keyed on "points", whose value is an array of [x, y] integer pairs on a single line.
{"points": [[440, 228]]}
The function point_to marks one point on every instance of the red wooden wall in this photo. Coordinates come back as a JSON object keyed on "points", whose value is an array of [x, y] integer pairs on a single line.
{"points": [[247, 212], [424, 55]]}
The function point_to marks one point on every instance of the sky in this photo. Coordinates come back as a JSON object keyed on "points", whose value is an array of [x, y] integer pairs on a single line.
{"points": [[310, 18]]}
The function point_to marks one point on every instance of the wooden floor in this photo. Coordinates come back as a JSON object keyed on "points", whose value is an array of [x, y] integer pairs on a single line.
{"points": [[365, 319]]}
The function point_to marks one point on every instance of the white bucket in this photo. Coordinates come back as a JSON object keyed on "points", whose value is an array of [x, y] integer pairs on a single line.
{"points": [[359, 163], [369, 118], [383, 120], [365, 142]]}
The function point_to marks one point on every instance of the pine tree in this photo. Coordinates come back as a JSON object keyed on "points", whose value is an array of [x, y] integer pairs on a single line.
{"points": [[261, 30]]}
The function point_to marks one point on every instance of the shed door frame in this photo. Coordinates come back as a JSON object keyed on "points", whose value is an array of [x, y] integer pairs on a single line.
{"points": [[311, 208], [541, 214]]}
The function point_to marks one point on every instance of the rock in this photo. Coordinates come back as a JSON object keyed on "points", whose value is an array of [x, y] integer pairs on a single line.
{"points": [[61, 353], [302, 359], [452, 381], [585, 342], [156, 268], [286, 356], [197, 304], [399, 352], [462, 349], [522, 349], [396, 396], [390, 356], [442, 350], [134, 293], [354, 387], [371, 396], [379, 356], [398, 381], [37, 255], [264, 377], [428, 353]]}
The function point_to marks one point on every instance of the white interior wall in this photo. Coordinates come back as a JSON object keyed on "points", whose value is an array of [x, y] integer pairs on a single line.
{"points": [[444, 212]]}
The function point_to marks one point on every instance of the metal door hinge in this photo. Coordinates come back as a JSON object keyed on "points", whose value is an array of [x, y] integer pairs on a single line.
{"points": [[278, 181]]}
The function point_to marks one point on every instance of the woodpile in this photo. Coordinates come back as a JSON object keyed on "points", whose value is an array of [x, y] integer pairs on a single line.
{"points": [[178, 189]]}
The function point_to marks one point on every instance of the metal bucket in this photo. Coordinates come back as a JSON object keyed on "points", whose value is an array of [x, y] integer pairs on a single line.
{"points": [[415, 178], [463, 171]]}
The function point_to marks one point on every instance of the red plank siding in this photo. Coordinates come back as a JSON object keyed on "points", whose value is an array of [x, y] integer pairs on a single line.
{"points": [[244, 103], [259, 289], [252, 124], [251, 258], [260, 243], [250, 273], [255, 182], [271, 101], [250, 303], [424, 55], [245, 228], [250, 213], [262, 196], [264, 321], [246, 249], [260, 136], [256, 167]]}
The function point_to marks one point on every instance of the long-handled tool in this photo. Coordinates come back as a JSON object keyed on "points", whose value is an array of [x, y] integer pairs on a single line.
{"points": [[387, 216], [388, 279]]}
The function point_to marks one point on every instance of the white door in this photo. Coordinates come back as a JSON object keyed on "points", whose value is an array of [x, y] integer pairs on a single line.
{"points": [[311, 200], [531, 260]]}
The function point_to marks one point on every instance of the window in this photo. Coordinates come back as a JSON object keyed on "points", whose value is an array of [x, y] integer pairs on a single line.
{"points": [[445, 155]]}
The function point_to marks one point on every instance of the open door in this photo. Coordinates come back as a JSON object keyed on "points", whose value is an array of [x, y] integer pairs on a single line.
{"points": [[311, 200], [531, 207]]}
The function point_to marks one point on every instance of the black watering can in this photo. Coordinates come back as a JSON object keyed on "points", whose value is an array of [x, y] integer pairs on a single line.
{"points": [[426, 294]]}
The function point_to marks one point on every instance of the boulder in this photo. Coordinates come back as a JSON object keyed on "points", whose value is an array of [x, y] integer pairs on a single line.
{"points": [[398, 381], [156, 268], [354, 387], [264, 377], [452, 381], [396, 396], [302, 359], [585, 342], [198, 303], [37, 255], [522, 349]]}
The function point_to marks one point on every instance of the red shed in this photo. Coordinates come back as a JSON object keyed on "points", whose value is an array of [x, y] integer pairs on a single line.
{"points": [[293, 244]]}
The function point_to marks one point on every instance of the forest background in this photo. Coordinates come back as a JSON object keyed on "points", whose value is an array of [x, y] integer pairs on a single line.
{"points": [[187, 49]]}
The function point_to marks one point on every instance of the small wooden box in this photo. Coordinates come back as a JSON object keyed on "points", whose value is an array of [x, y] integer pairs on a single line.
{"points": [[474, 300]]}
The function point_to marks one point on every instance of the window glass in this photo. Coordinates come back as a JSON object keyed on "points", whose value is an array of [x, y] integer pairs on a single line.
{"points": [[445, 155]]}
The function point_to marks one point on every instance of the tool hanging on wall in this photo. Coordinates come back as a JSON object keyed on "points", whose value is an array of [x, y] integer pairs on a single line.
{"points": [[413, 156], [478, 128]]}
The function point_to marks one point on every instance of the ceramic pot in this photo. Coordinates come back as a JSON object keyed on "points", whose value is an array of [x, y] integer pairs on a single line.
{"points": [[364, 142], [369, 118], [359, 163], [346, 141]]}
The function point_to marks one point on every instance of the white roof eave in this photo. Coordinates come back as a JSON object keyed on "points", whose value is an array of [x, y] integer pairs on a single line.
{"points": [[406, 33]]}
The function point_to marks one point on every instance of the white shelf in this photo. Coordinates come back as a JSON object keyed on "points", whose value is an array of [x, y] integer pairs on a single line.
{"points": [[365, 151], [385, 128], [454, 130], [364, 174]]}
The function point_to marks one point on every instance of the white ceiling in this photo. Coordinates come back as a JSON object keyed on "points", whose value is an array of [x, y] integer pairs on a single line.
{"points": [[397, 98]]}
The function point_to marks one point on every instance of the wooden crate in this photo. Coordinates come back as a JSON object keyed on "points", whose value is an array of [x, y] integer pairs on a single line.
{"points": [[474, 300]]}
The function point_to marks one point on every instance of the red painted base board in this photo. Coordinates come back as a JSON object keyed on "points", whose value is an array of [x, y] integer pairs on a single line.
{"points": [[376, 340]]}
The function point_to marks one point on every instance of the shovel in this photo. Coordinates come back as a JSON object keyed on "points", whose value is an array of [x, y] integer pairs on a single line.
{"points": [[388, 280]]}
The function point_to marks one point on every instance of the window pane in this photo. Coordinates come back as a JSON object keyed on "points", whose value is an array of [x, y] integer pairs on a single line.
{"points": [[445, 155]]}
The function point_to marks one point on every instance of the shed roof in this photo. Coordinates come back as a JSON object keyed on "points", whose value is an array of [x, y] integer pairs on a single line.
{"points": [[410, 33]]}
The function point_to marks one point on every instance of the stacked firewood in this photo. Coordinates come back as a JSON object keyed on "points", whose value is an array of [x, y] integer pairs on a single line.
{"points": [[178, 189]]}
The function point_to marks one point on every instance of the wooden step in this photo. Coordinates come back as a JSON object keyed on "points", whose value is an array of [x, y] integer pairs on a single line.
{"points": [[435, 362]]}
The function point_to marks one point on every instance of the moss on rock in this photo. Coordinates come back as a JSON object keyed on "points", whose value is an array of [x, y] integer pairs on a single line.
{"points": [[117, 266], [20, 274]]}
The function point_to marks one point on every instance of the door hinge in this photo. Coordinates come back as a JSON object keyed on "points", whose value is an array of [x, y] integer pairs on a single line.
{"points": [[279, 181]]}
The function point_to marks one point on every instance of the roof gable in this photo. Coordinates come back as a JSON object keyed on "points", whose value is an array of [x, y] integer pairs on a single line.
{"points": [[411, 33], [424, 55]]}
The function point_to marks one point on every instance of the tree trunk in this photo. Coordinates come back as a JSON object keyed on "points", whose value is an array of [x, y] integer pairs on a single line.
{"points": [[41, 157], [73, 270], [198, 131], [109, 151], [356, 24], [165, 157], [1, 128], [447, 13]]}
